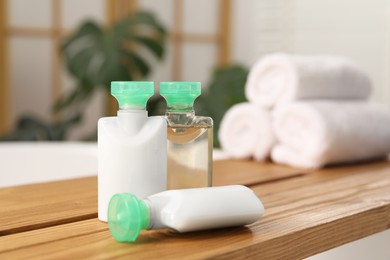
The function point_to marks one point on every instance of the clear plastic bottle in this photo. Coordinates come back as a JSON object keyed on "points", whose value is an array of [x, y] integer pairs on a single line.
{"points": [[190, 137], [132, 147], [183, 210]]}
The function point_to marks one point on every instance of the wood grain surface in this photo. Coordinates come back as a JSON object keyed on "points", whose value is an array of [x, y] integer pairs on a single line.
{"points": [[307, 212]]}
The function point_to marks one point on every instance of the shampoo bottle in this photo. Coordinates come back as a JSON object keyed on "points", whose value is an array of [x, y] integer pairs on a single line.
{"points": [[190, 137], [183, 210], [131, 147]]}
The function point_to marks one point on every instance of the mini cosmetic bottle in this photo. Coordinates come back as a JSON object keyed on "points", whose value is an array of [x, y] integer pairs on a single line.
{"points": [[183, 210], [190, 137]]}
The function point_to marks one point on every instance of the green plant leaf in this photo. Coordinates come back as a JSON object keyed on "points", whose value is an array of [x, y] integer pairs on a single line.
{"points": [[79, 49], [96, 55], [145, 19], [153, 45], [137, 64], [73, 97]]}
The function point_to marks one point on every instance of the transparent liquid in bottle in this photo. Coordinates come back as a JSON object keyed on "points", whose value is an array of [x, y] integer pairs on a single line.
{"points": [[189, 156], [190, 137]]}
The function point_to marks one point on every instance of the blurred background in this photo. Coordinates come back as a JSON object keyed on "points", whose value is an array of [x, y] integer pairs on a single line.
{"points": [[57, 57]]}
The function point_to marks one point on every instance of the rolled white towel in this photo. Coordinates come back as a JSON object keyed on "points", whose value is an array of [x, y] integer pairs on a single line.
{"points": [[279, 78], [316, 133], [246, 131]]}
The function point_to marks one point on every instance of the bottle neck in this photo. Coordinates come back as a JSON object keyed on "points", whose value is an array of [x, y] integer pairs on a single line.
{"points": [[180, 115], [132, 120], [180, 109], [155, 204]]}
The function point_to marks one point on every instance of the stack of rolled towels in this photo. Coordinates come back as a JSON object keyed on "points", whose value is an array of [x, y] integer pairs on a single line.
{"points": [[306, 112]]}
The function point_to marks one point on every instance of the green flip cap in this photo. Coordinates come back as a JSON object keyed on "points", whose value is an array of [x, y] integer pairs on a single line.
{"points": [[180, 94], [127, 216], [132, 94]]}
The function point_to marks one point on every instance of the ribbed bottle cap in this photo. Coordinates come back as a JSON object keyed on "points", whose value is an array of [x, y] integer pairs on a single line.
{"points": [[132, 94], [180, 94], [127, 216]]}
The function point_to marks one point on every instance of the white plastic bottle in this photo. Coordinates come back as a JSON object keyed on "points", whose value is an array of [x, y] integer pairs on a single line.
{"points": [[131, 147], [183, 210]]}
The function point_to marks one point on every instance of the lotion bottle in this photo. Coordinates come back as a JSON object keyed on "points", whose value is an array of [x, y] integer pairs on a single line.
{"points": [[183, 210], [131, 147], [190, 137]]}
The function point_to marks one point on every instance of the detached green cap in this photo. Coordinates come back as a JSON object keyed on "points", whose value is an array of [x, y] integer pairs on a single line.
{"points": [[180, 94], [132, 94], [127, 216]]}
